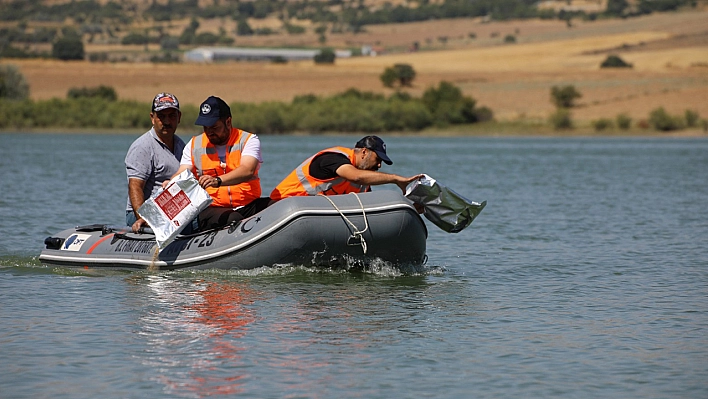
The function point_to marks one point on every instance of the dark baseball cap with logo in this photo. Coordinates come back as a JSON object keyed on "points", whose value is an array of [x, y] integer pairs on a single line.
{"points": [[211, 110], [375, 144], [164, 101]]}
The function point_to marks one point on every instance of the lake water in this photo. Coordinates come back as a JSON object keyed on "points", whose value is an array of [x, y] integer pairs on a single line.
{"points": [[586, 276]]}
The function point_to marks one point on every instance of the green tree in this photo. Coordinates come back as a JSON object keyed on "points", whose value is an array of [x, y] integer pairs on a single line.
{"points": [[243, 28], [402, 73], [189, 34], [68, 48], [102, 91], [325, 56], [564, 97], [691, 117], [134, 38], [389, 77], [193, 24], [294, 29], [649, 6], [321, 31], [448, 105], [614, 61], [169, 43], [616, 7], [261, 9], [659, 119], [406, 74], [13, 85], [623, 121], [561, 119], [206, 38], [602, 124], [445, 92]]}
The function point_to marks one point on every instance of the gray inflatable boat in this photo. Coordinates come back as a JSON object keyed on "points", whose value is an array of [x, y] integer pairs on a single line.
{"points": [[312, 231]]}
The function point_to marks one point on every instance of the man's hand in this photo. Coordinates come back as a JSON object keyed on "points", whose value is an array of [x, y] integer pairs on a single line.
{"points": [[406, 181], [138, 224], [209, 181]]}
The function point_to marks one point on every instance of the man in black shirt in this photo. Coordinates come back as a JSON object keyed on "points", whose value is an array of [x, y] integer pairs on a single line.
{"points": [[340, 170]]}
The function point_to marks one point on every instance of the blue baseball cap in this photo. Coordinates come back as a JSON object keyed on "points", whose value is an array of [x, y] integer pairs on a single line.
{"points": [[211, 110]]}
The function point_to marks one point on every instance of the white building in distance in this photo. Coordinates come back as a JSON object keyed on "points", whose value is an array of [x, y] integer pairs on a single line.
{"points": [[216, 54]]}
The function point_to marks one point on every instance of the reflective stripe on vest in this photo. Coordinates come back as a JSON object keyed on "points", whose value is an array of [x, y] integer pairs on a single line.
{"points": [[205, 161], [197, 152], [299, 182]]}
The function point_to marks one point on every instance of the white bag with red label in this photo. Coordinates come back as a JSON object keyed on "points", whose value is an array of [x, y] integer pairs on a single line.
{"points": [[171, 210]]}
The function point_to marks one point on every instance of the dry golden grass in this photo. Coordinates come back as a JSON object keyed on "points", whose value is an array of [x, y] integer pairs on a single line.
{"points": [[574, 5], [513, 80], [551, 56]]}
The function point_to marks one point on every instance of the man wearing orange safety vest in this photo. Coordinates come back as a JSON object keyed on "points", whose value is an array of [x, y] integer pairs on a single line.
{"points": [[340, 170], [225, 160]]}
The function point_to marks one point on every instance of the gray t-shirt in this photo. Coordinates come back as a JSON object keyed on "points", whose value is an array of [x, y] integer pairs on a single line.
{"points": [[150, 160]]}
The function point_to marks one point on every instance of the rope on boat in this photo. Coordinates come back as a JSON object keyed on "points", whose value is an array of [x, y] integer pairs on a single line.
{"points": [[357, 234]]}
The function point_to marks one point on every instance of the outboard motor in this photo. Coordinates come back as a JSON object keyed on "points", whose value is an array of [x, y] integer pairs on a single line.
{"points": [[53, 242]]}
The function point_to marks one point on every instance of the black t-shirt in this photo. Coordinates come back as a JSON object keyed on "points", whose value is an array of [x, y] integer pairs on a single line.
{"points": [[325, 166]]}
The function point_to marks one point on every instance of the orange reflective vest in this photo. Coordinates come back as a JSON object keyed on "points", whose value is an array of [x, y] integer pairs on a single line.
{"points": [[205, 160], [300, 183]]}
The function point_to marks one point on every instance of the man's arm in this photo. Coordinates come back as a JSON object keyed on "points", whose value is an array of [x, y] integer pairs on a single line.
{"points": [[138, 167], [372, 178], [181, 169], [137, 198]]}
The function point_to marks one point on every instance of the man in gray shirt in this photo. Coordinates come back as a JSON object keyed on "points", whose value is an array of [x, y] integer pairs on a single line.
{"points": [[153, 157]]}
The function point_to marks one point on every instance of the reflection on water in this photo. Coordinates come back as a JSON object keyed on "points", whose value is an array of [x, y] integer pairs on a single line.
{"points": [[193, 330], [203, 337]]}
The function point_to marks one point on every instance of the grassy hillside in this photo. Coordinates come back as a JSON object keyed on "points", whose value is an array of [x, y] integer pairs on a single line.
{"points": [[669, 52]]}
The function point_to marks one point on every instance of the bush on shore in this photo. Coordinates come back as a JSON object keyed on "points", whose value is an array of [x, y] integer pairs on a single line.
{"points": [[623, 121], [602, 124], [13, 85], [105, 92], [691, 117], [561, 119], [350, 111], [77, 113], [659, 119]]}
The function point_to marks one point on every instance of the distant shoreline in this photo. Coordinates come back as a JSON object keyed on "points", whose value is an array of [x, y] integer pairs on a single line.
{"points": [[476, 130]]}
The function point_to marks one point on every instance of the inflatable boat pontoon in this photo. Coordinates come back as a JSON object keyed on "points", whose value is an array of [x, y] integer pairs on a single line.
{"points": [[311, 231]]}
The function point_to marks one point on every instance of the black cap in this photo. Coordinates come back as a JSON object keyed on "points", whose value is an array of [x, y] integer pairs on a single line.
{"points": [[211, 110], [375, 144]]}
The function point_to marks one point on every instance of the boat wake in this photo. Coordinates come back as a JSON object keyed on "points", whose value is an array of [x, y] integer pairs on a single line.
{"points": [[340, 265], [345, 265]]}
